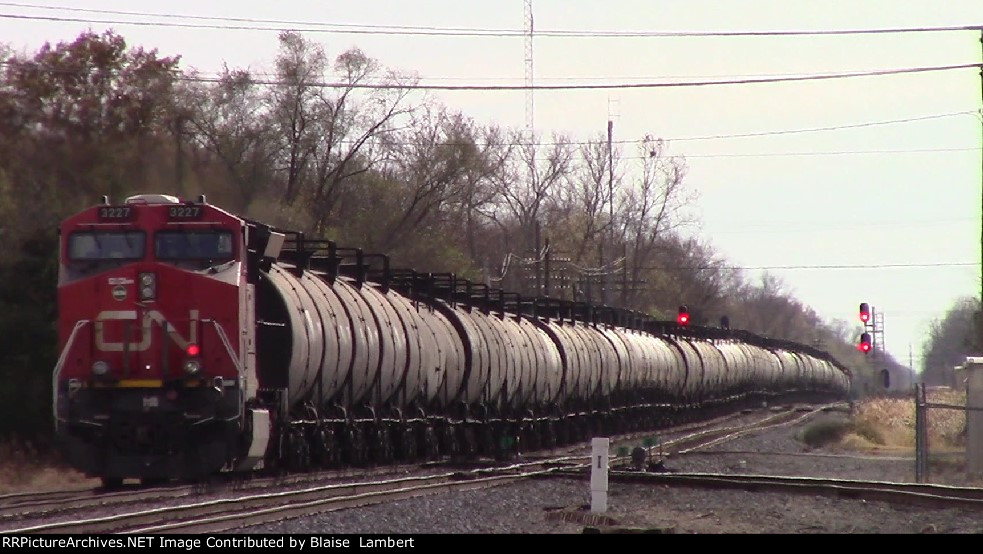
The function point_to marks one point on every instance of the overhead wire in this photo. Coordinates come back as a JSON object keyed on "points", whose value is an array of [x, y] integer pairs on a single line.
{"points": [[608, 86], [743, 81], [244, 23], [818, 266]]}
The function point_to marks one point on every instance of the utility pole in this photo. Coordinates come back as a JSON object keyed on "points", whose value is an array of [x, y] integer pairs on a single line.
{"points": [[610, 233], [979, 315], [537, 260], [530, 119]]}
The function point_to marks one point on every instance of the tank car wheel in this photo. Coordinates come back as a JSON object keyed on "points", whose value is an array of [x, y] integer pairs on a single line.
{"points": [[111, 483], [547, 431], [530, 440], [561, 430], [324, 451], [298, 450], [466, 441], [356, 451], [447, 436], [153, 481], [381, 450], [406, 443], [431, 446]]}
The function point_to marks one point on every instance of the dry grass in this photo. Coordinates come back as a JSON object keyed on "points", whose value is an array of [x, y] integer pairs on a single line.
{"points": [[893, 420], [24, 467]]}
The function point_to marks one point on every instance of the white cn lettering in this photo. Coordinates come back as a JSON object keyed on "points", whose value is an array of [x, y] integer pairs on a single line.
{"points": [[150, 317]]}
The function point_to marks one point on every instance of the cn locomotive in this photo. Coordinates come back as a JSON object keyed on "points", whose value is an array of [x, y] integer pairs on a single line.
{"points": [[195, 341]]}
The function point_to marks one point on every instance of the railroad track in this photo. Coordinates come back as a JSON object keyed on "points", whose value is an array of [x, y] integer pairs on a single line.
{"points": [[33, 506], [700, 439], [318, 492], [19, 505], [921, 494], [229, 513]]}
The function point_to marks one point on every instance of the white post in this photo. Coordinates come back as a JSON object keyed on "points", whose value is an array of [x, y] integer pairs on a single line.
{"points": [[599, 475]]}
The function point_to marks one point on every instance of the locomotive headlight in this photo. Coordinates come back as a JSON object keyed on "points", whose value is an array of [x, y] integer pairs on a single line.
{"points": [[148, 286], [192, 367], [100, 368]]}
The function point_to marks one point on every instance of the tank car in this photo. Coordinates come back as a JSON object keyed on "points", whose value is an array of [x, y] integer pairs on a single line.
{"points": [[194, 341]]}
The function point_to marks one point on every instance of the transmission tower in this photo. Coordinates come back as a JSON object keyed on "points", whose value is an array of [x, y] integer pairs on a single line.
{"points": [[529, 77]]}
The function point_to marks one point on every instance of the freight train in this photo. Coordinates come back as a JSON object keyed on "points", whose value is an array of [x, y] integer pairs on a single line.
{"points": [[194, 341]]}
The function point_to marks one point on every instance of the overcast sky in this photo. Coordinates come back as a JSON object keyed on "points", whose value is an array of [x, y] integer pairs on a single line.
{"points": [[904, 194]]}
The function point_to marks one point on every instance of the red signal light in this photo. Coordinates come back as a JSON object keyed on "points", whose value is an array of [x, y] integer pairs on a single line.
{"points": [[193, 350], [864, 312], [865, 343], [683, 317]]}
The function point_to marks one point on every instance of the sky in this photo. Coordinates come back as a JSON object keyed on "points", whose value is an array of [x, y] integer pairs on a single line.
{"points": [[901, 199]]}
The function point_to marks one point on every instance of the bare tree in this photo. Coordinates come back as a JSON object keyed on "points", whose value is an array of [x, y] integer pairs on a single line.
{"points": [[229, 121], [526, 184], [584, 206], [299, 67], [951, 339], [348, 129], [439, 162]]}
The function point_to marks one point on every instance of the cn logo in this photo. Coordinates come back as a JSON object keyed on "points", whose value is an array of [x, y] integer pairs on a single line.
{"points": [[150, 317]]}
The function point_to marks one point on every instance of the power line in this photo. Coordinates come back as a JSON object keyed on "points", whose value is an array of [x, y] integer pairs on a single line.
{"points": [[794, 154], [608, 86], [669, 139], [819, 129], [351, 28], [832, 153], [602, 86], [826, 266], [675, 139]]}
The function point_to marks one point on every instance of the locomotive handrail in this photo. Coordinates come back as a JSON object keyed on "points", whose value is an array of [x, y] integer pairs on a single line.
{"points": [[60, 364], [228, 348]]}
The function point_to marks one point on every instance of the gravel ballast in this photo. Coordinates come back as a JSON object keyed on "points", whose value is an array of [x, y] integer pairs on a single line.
{"points": [[558, 505]]}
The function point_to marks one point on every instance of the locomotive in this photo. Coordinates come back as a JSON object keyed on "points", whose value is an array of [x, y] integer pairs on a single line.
{"points": [[194, 341]]}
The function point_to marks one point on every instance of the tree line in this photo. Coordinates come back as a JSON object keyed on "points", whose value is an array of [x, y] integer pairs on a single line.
{"points": [[388, 169]]}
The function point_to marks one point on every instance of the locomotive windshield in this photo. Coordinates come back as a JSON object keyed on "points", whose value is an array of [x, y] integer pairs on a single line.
{"points": [[211, 245], [106, 245]]}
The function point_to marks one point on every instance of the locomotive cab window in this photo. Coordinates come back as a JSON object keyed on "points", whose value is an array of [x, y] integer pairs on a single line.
{"points": [[212, 245], [106, 245]]}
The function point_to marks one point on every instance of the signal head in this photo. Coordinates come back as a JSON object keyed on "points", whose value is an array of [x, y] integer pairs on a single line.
{"points": [[864, 312], [865, 343], [683, 317]]}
